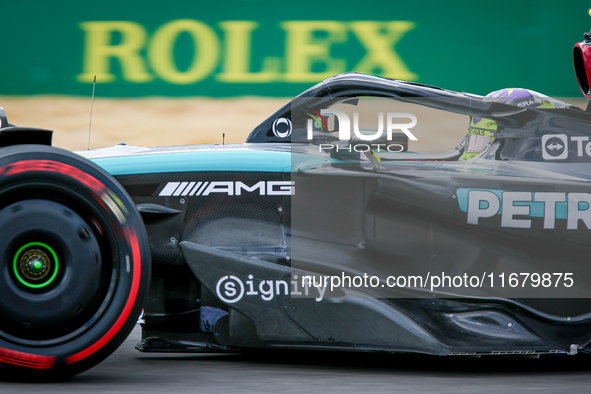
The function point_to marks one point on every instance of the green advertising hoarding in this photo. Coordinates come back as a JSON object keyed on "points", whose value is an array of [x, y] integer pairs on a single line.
{"points": [[272, 48]]}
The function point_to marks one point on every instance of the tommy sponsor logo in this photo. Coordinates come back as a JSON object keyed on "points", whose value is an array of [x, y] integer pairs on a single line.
{"points": [[230, 188], [555, 146], [518, 208]]}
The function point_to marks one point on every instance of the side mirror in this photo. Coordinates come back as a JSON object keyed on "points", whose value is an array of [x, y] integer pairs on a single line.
{"points": [[3, 118], [582, 61]]}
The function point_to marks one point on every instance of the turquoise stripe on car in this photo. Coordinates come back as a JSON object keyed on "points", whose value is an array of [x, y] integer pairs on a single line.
{"points": [[230, 160], [219, 160]]}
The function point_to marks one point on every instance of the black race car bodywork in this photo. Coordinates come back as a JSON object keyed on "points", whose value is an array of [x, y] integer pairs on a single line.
{"points": [[259, 213], [235, 231]]}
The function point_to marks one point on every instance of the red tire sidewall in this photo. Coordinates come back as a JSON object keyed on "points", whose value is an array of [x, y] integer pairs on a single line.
{"points": [[26, 164]]}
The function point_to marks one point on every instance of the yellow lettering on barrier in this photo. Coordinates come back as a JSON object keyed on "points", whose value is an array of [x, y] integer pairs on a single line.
{"points": [[99, 50], [380, 48], [237, 56], [307, 56], [304, 49], [161, 51]]}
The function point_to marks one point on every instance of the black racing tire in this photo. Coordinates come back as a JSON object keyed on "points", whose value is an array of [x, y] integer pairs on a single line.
{"points": [[74, 263]]}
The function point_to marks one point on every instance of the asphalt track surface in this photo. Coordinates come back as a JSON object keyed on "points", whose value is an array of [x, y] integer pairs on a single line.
{"points": [[129, 371]]}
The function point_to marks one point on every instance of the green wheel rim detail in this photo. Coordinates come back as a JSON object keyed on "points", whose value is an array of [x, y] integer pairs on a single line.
{"points": [[39, 285]]}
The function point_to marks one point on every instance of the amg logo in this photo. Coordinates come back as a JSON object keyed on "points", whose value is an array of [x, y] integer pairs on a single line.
{"points": [[231, 188]]}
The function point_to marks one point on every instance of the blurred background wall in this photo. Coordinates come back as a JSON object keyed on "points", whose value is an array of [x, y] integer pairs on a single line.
{"points": [[225, 48]]}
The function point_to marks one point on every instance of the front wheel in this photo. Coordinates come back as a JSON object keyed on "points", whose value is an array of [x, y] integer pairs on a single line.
{"points": [[74, 263]]}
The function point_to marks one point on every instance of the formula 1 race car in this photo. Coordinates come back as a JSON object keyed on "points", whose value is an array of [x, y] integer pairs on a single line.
{"points": [[319, 232]]}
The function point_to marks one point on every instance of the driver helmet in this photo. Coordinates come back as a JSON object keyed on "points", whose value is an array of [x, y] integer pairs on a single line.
{"points": [[483, 131]]}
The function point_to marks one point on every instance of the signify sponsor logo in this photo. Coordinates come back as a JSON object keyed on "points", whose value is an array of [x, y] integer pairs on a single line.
{"points": [[231, 289], [230, 188], [517, 208]]}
